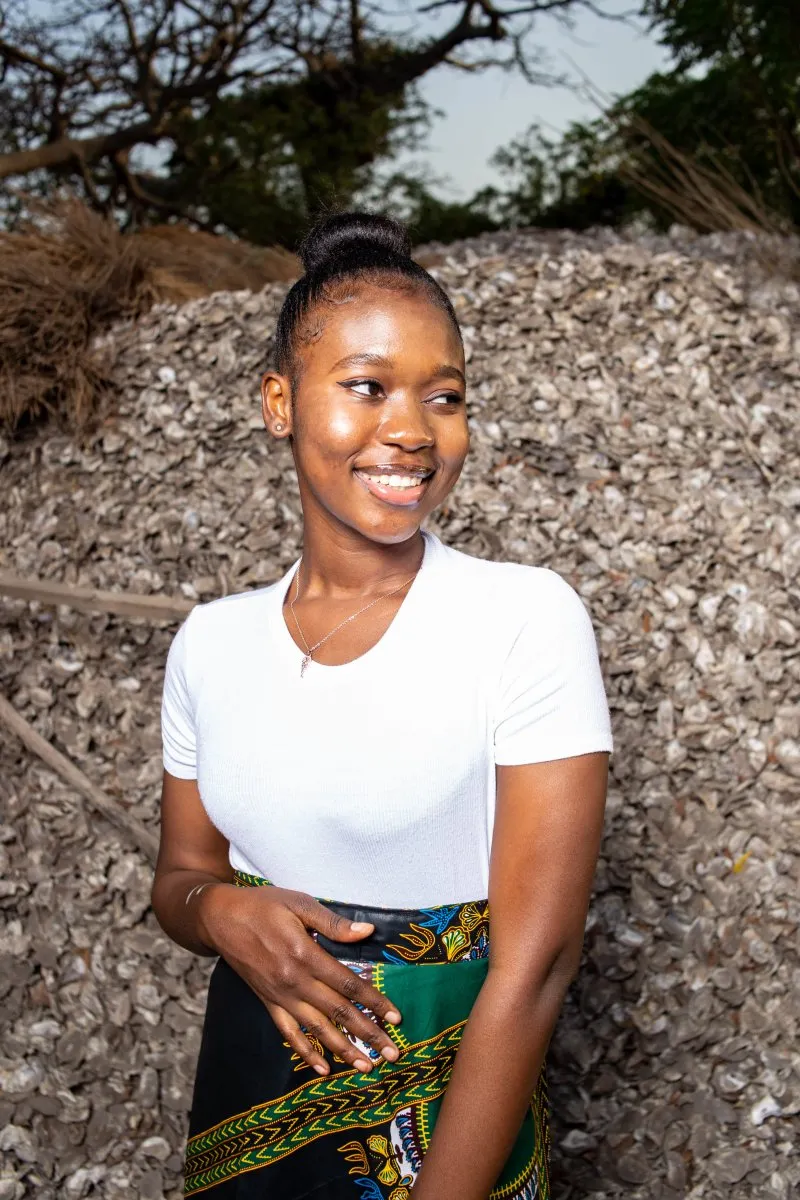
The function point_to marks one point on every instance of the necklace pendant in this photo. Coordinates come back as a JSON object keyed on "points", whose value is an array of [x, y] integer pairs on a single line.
{"points": [[304, 664]]}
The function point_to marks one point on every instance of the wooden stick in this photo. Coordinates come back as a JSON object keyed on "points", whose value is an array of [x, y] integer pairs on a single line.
{"points": [[87, 599], [136, 831]]}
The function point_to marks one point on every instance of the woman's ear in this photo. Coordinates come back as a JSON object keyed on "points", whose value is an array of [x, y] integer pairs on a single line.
{"points": [[276, 403]]}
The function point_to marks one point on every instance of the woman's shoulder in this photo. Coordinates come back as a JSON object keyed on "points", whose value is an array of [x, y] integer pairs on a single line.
{"points": [[231, 615], [516, 586]]}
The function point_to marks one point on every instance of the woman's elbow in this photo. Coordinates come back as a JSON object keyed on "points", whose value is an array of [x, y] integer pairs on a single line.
{"points": [[540, 977]]}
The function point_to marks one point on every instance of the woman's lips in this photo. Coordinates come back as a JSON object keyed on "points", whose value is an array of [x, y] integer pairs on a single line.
{"points": [[400, 497]]}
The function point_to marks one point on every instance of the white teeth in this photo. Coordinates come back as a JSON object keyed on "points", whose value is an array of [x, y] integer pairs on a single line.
{"points": [[397, 481]]}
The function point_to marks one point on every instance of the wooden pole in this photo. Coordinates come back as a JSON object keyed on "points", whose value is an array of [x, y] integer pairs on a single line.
{"points": [[133, 828], [87, 599]]}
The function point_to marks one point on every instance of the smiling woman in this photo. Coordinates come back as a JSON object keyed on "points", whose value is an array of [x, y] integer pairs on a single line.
{"points": [[364, 760], [370, 387]]}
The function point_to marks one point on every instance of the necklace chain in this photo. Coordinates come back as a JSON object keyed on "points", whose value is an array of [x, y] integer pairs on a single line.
{"points": [[310, 649]]}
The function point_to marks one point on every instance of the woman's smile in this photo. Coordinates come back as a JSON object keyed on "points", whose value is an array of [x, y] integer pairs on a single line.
{"points": [[396, 486]]}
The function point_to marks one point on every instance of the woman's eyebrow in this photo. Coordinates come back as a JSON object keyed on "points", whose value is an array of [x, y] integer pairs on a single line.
{"points": [[372, 359], [366, 359], [448, 372]]}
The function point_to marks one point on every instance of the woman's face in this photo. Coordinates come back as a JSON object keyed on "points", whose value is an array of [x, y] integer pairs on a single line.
{"points": [[378, 412]]}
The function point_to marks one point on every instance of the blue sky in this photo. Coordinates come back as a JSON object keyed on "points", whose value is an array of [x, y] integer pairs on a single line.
{"points": [[485, 111]]}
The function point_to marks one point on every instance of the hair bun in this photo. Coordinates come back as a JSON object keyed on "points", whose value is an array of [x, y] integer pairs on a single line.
{"points": [[350, 240]]}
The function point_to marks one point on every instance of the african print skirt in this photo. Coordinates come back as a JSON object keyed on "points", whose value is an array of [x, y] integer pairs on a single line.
{"points": [[265, 1126]]}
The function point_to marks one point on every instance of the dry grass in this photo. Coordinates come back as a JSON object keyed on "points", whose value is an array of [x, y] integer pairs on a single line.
{"points": [[69, 274], [704, 195], [185, 264]]}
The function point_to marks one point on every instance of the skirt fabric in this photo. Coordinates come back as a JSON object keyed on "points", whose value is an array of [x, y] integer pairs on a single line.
{"points": [[264, 1126]]}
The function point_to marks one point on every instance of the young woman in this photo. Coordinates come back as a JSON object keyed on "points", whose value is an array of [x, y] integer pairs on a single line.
{"points": [[362, 761]]}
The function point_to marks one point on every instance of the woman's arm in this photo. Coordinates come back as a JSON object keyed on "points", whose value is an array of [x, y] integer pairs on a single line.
{"points": [[191, 853], [548, 826]]}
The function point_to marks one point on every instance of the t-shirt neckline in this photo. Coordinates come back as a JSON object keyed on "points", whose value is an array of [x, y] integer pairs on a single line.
{"points": [[319, 672]]}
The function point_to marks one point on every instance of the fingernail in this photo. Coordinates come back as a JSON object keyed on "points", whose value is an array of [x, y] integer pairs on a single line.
{"points": [[360, 926], [362, 1066], [393, 1016], [390, 1053], [321, 1070]]}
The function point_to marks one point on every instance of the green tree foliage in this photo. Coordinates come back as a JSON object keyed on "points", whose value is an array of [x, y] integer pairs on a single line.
{"points": [[746, 100], [433, 219], [263, 162], [732, 103], [568, 182]]}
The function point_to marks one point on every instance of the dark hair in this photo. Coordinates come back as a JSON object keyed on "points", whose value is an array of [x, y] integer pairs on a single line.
{"points": [[345, 246]]}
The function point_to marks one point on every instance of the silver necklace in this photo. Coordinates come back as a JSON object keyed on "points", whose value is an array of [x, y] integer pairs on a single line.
{"points": [[310, 649]]}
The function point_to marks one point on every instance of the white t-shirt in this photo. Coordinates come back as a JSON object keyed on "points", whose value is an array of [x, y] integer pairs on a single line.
{"points": [[373, 782]]}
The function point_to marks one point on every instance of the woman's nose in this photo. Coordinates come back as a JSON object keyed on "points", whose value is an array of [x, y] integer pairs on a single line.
{"points": [[407, 425]]}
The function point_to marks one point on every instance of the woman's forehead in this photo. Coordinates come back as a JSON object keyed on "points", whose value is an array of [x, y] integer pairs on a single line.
{"points": [[382, 325]]}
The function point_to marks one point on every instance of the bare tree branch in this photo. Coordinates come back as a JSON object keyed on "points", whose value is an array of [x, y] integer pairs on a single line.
{"points": [[14, 54], [85, 82], [67, 151]]}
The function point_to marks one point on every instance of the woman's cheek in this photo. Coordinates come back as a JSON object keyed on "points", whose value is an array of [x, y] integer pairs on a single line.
{"points": [[336, 430]]}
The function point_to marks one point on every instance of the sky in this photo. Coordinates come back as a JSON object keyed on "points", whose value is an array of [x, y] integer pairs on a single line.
{"points": [[485, 111]]}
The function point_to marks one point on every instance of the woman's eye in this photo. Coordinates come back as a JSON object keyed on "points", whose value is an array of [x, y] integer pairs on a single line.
{"points": [[447, 398], [364, 387]]}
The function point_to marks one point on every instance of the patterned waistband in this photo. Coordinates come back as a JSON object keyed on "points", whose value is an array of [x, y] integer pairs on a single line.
{"points": [[444, 933]]}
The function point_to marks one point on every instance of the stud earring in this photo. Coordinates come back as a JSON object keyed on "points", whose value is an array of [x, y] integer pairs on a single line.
{"points": [[278, 426]]}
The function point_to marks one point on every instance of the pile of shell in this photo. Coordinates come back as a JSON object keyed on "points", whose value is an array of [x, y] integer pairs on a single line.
{"points": [[634, 411]]}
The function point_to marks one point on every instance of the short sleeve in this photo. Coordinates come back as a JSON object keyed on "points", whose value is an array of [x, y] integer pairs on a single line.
{"points": [[177, 711], [551, 701]]}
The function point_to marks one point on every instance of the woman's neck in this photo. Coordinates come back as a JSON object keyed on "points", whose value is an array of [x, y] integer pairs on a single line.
{"points": [[337, 567]]}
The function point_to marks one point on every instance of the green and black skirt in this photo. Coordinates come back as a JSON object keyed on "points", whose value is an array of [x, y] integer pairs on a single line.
{"points": [[265, 1126]]}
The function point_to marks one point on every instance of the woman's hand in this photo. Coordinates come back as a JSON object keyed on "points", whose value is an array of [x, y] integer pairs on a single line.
{"points": [[262, 932]]}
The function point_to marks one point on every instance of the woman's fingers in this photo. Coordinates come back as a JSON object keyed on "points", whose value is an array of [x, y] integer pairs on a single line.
{"points": [[334, 1005], [317, 1025], [343, 1013], [302, 1024], [324, 966], [350, 985], [316, 916], [293, 1034]]}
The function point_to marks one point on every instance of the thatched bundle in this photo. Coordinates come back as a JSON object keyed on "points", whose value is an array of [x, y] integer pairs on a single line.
{"points": [[70, 273]]}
